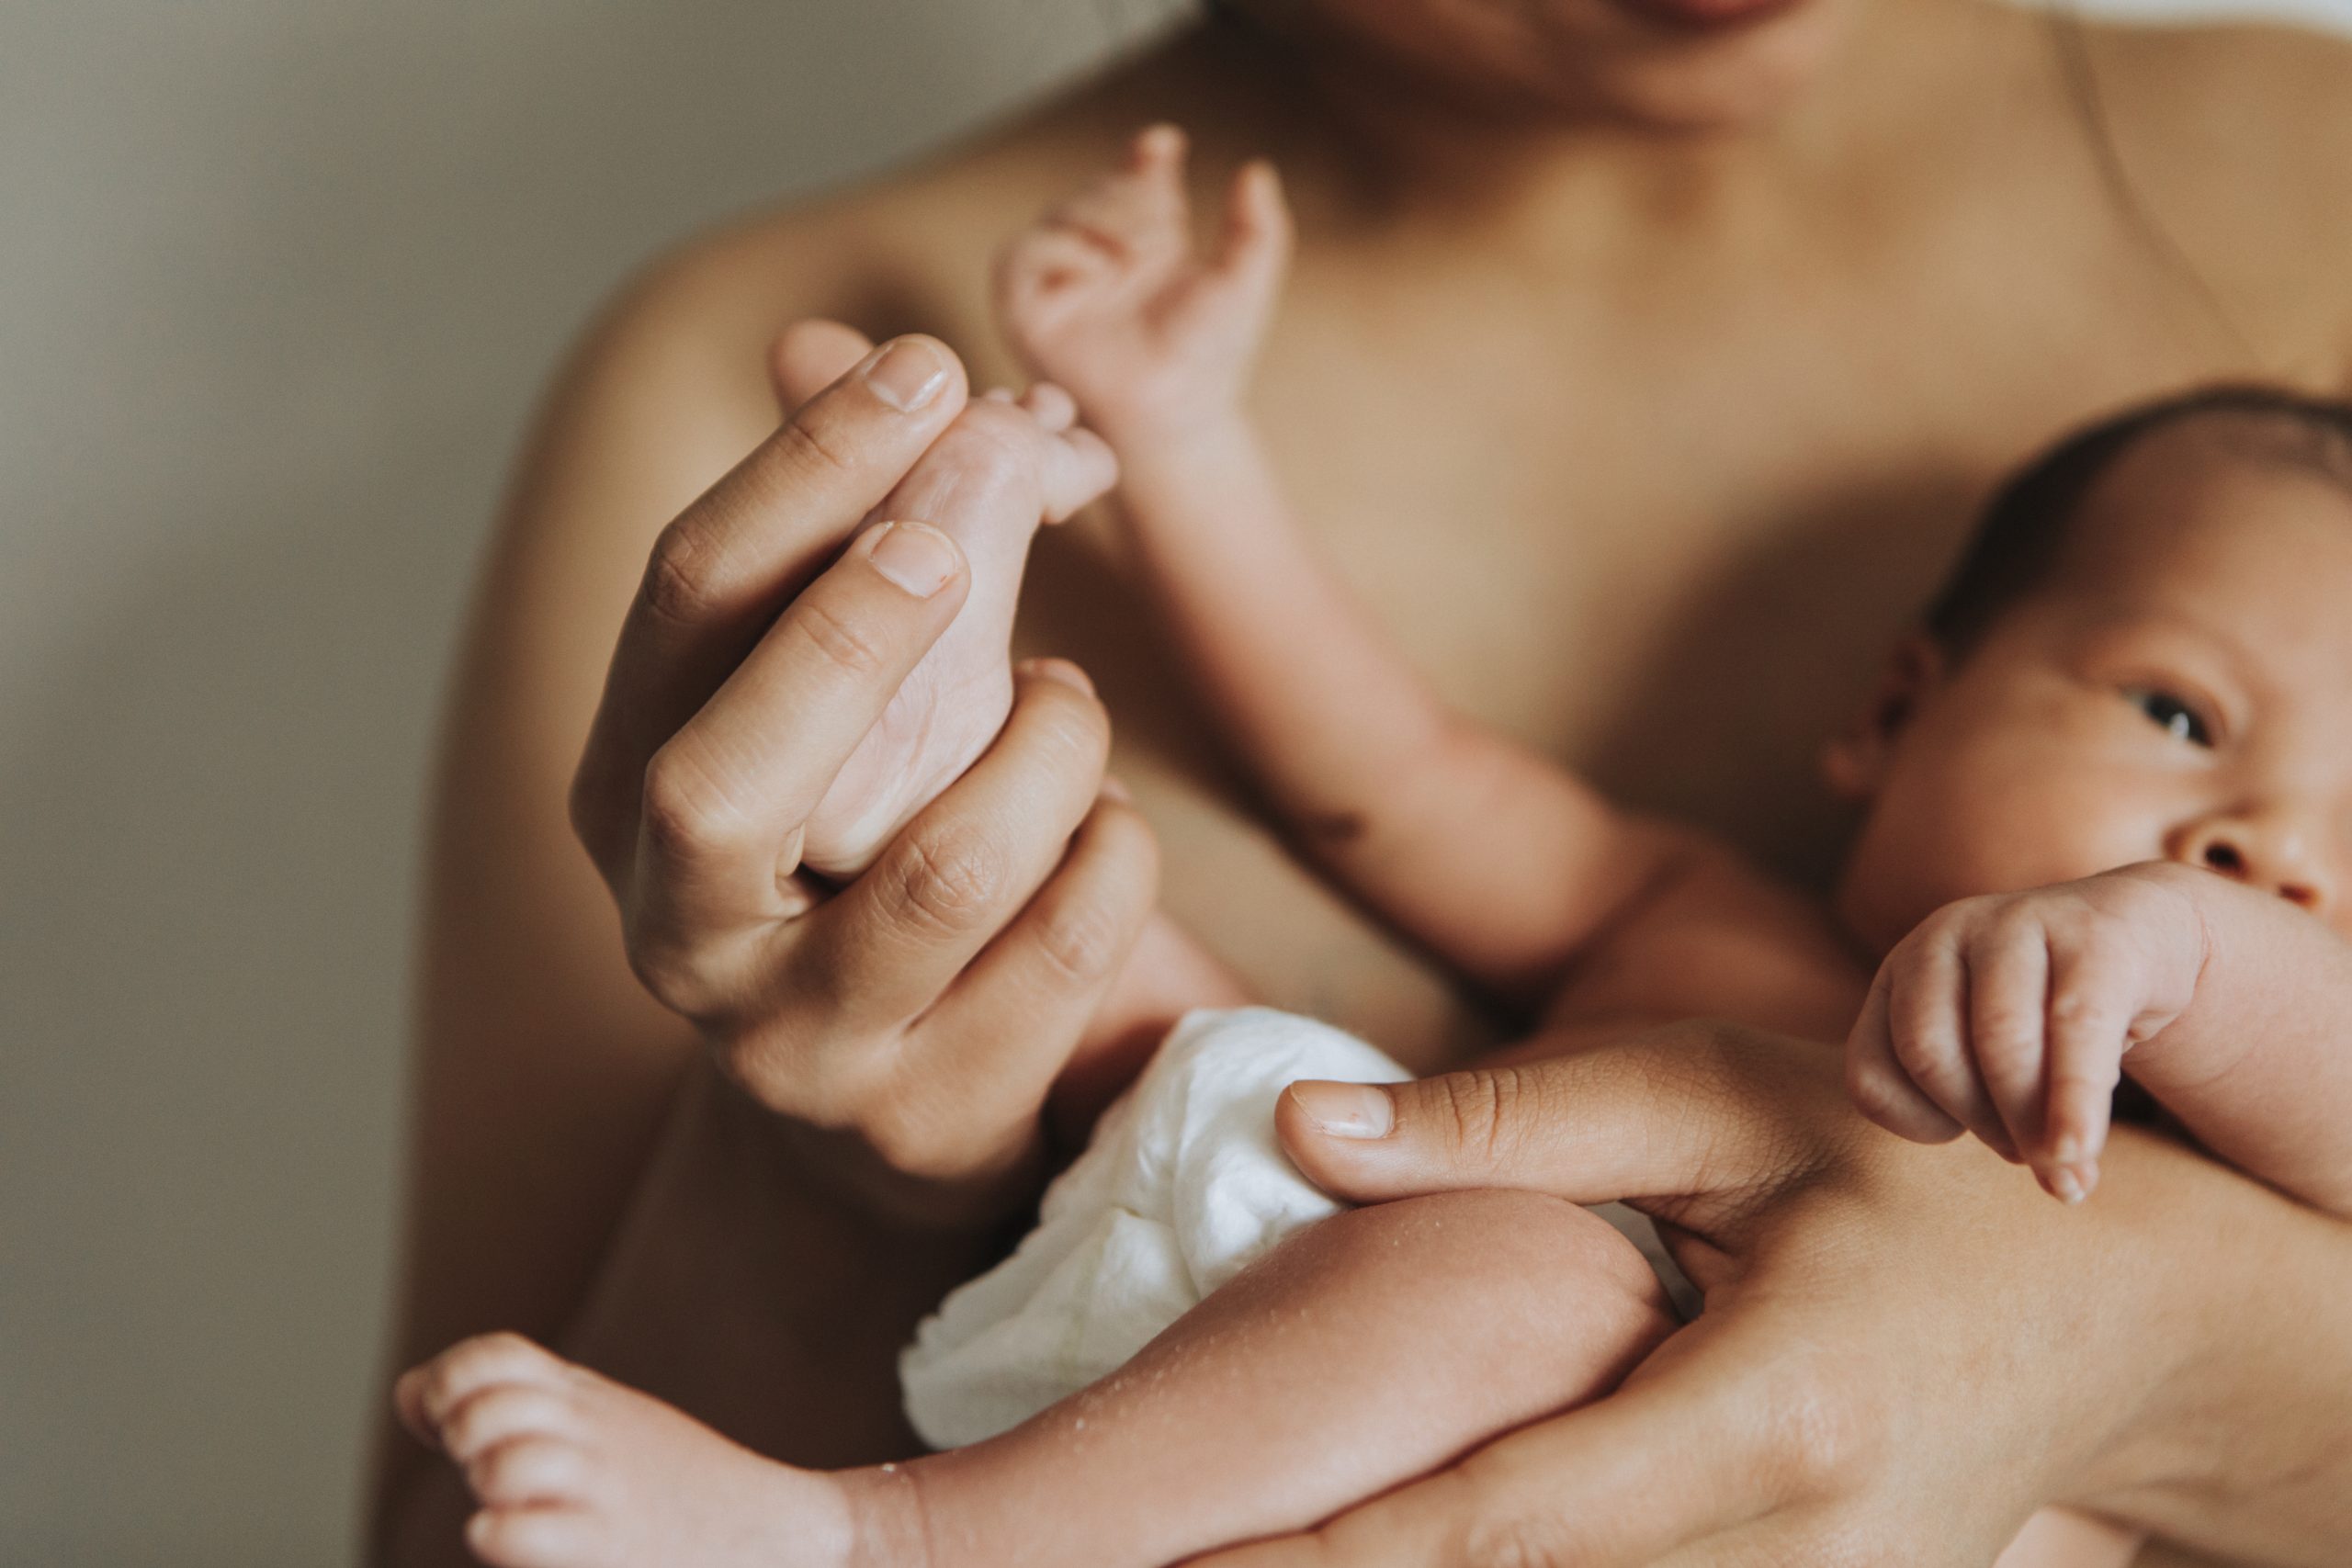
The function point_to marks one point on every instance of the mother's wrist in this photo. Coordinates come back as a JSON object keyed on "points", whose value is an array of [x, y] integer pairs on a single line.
{"points": [[2219, 1353]]}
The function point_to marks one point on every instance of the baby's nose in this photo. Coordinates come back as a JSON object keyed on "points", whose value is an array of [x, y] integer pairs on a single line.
{"points": [[2270, 854]]}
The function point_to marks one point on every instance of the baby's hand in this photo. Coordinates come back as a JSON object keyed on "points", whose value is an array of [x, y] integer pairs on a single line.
{"points": [[2009, 1016], [1105, 294]]}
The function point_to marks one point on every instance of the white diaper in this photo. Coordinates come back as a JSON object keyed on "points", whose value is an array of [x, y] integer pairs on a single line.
{"points": [[1183, 1187]]}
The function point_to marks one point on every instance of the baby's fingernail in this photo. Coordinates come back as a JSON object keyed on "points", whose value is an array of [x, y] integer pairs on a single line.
{"points": [[906, 373], [915, 556], [2064, 1185], [1060, 670], [1346, 1109], [1112, 789]]}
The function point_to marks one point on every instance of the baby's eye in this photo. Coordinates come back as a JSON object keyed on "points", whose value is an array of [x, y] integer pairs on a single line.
{"points": [[2171, 714]]}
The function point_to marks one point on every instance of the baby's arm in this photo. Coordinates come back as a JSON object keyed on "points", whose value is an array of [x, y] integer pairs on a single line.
{"points": [[2013, 1016], [1496, 858]]}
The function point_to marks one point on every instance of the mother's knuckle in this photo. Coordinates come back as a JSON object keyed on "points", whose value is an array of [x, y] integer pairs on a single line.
{"points": [[680, 575], [685, 811], [1480, 1109], [814, 441], [1080, 940], [839, 639], [946, 882], [670, 974]]}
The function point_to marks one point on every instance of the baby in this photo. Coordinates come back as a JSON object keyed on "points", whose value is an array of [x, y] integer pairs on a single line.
{"points": [[2104, 795]]}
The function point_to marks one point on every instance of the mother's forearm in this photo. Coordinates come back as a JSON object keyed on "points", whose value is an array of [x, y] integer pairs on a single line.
{"points": [[757, 1300], [2246, 1445]]}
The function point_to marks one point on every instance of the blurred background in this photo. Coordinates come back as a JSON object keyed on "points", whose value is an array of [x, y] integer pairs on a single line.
{"points": [[278, 280]]}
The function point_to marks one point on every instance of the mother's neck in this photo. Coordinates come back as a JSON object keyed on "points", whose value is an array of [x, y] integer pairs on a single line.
{"points": [[1397, 148]]}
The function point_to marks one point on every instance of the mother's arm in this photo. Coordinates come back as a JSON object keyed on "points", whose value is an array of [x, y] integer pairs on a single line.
{"points": [[584, 1168], [1906, 1350]]}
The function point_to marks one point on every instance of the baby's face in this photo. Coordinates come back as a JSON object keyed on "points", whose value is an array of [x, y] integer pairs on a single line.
{"points": [[2180, 688]]}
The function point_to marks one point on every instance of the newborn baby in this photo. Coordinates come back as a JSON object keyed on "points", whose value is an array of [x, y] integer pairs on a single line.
{"points": [[2103, 794]]}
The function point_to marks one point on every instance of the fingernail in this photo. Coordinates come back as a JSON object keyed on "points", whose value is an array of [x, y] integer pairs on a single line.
{"points": [[2064, 1186], [1346, 1109], [1060, 670], [907, 373], [1114, 788], [2085, 1177], [915, 556]]}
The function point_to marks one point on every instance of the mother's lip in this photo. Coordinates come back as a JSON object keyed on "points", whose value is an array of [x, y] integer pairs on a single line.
{"points": [[1709, 15]]}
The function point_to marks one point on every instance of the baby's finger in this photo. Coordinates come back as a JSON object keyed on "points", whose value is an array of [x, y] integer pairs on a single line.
{"points": [[1927, 1018], [1139, 215], [1254, 240], [2088, 1023], [1877, 1084], [2008, 1009]]}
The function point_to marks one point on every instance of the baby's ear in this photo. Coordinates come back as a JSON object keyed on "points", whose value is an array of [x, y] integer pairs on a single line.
{"points": [[1854, 764]]}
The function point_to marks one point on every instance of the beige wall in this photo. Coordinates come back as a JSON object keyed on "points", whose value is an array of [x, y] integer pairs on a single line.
{"points": [[276, 280]]}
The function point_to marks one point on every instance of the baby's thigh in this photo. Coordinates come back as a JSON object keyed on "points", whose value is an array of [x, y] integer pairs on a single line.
{"points": [[1472, 1312]]}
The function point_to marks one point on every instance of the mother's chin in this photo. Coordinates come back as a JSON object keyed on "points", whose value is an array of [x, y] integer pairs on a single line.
{"points": [[1671, 66]]}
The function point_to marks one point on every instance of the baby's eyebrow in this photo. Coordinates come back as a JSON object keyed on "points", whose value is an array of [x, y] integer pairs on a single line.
{"points": [[2243, 660]]}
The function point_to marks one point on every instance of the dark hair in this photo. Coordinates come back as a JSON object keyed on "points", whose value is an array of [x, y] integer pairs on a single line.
{"points": [[2022, 528]]}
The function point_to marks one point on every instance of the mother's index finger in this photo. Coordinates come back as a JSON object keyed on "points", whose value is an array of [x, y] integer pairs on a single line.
{"points": [[733, 559]]}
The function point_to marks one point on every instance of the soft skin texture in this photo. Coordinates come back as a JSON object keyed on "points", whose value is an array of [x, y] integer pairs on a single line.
{"points": [[1481, 305], [2169, 690]]}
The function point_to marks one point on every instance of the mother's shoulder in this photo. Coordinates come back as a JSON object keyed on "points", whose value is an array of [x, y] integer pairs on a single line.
{"points": [[2237, 139], [909, 247]]}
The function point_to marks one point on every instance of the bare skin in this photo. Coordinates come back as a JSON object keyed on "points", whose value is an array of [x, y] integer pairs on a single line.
{"points": [[2174, 689], [1308, 1349], [1589, 275]]}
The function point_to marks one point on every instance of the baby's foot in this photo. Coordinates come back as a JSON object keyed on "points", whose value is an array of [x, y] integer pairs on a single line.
{"points": [[572, 1470], [1106, 296], [1006, 464]]}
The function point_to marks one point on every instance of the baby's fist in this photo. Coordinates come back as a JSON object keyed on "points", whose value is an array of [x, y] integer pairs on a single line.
{"points": [[2008, 1015]]}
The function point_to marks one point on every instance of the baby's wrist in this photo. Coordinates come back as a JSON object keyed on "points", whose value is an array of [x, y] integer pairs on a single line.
{"points": [[1164, 417], [1180, 443]]}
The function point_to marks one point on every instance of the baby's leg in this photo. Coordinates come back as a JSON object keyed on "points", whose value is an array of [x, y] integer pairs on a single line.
{"points": [[1366, 1350]]}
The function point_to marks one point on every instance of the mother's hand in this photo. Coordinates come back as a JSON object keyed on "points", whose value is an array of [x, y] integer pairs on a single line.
{"points": [[913, 1020], [1906, 1350]]}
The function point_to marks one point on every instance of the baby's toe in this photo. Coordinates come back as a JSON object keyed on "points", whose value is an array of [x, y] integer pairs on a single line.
{"points": [[428, 1394], [546, 1536], [532, 1468], [503, 1412]]}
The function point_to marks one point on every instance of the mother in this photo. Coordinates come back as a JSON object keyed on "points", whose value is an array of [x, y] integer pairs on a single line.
{"points": [[1643, 358]]}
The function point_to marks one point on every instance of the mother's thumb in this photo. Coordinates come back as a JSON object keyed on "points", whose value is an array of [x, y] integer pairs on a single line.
{"points": [[1631, 1120]]}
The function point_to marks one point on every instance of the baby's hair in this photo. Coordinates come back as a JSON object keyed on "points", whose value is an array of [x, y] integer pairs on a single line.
{"points": [[2022, 528]]}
